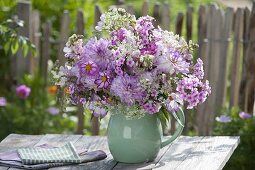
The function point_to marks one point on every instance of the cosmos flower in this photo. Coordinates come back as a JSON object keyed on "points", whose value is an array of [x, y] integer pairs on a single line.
{"points": [[23, 91], [89, 68], [103, 81]]}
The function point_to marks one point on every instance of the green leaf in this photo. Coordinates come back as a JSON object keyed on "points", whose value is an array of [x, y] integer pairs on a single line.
{"points": [[6, 47], [25, 51], [14, 46]]}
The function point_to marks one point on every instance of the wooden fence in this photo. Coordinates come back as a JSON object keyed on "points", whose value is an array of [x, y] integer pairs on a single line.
{"points": [[227, 47]]}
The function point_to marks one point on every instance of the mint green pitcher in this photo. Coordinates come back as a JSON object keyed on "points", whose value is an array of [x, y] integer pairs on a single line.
{"points": [[139, 139]]}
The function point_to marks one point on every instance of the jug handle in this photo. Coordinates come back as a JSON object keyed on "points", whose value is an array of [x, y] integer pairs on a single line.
{"points": [[180, 118]]}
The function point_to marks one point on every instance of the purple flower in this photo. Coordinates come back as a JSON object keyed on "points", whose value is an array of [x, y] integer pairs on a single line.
{"points": [[173, 102], [223, 119], [118, 36], [198, 69], [244, 115], [130, 62], [98, 51], [99, 112], [103, 81], [3, 101], [53, 110], [193, 91], [127, 89], [89, 68], [151, 108], [172, 62], [23, 91], [118, 71]]}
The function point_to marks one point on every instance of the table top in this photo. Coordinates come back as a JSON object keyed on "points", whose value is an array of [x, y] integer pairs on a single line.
{"points": [[199, 152]]}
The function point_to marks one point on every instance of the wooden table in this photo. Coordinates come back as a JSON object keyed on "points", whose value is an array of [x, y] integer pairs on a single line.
{"points": [[200, 152]]}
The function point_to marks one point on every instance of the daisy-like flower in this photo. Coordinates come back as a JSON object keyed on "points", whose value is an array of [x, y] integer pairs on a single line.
{"points": [[89, 68], [244, 115], [103, 81], [173, 102], [171, 62], [223, 119]]}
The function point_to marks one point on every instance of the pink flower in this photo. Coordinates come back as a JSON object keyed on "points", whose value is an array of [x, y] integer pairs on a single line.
{"points": [[3, 101], [23, 91], [244, 115]]}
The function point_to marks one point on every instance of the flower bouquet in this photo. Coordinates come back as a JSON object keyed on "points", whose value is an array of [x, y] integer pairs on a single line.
{"points": [[139, 74]]}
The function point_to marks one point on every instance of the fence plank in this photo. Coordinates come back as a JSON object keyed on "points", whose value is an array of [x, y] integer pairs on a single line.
{"points": [[187, 112], [178, 30], [64, 34], [35, 38], [212, 10], [145, 8], [80, 22], [214, 61], [250, 87], [130, 9], [24, 13], [242, 98], [46, 49], [95, 122], [236, 61], [179, 23], [202, 22], [156, 14], [165, 19], [223, 72], [80, 31], [189, 22]]}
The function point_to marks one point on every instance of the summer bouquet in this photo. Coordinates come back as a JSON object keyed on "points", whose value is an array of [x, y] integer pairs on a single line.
{"points": [[135, 67]]}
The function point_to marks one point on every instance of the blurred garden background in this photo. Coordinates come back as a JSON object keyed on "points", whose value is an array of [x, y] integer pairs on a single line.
{"points": [[33, 34]]}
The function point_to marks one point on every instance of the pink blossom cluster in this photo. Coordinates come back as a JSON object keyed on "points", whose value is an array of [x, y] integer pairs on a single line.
{"points": [[134, 63]]}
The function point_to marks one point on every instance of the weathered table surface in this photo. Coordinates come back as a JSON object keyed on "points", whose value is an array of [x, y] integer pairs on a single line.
{"points": [[200, 152]]}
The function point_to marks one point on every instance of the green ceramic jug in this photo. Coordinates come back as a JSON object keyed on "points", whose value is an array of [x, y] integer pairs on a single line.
{"points": [[139, 139]]}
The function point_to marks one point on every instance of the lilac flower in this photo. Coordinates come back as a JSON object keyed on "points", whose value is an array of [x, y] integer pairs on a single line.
{"points": [[23, 91], [103, 81], [3, 101], [71, 88], [151, 108], [127, 89], [89, 68], [193, 91], [223, 119], [198, 69], [118, 71], [130, 62], [74, 47], [118, 36], [82, 101], [244, 115], [53, 110], [99, 112]]}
